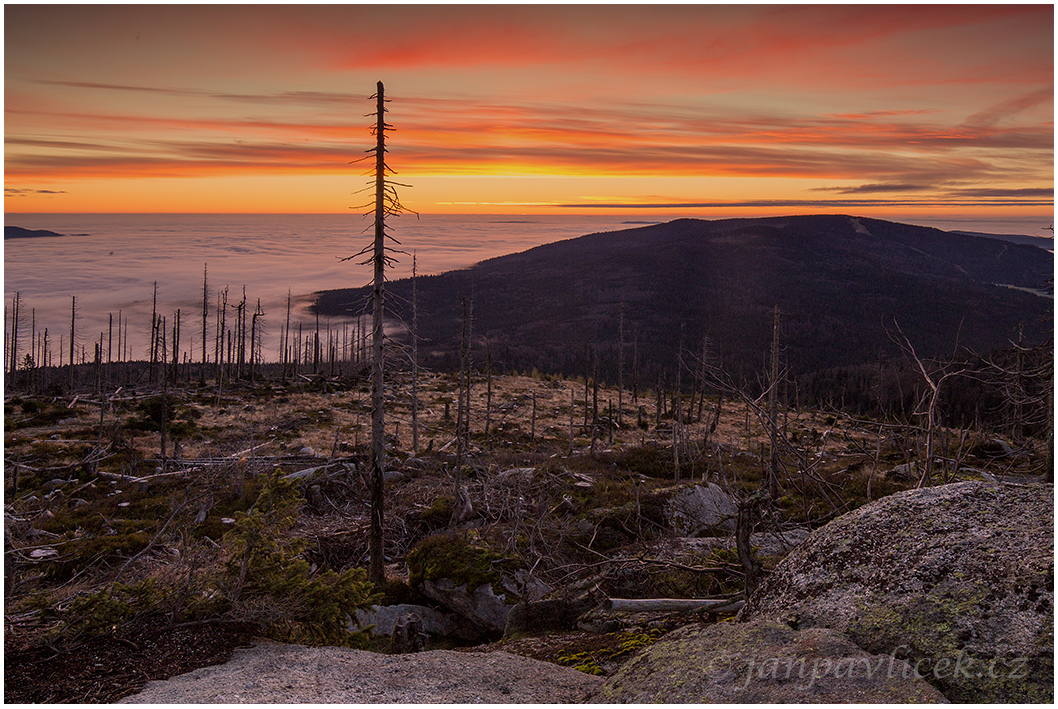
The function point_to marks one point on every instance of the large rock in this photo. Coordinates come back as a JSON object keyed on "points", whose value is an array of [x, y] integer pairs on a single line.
{"points": [[272, 673], [636, 573], [761, 662], [380, 620], [480, 604], [702, 509], [690, 550], [460, 572], [958, 579]]}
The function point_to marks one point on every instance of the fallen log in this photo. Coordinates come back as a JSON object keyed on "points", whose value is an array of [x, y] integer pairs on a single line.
{"points": [[248, 451], [640, 605]]}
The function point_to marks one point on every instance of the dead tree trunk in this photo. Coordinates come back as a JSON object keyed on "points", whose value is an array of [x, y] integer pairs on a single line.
{"points": [[175, 363], [284, 346], [641, 605], [621, 366], [488, 387], [594, 399], [378, 421], [205, 318], [934, 380], [241, 337], [415, 360], [165, 395], [572, 404], [773, 410], [462, 413], [532, 426], [73, 323], [748, 512], [15, 302], [154, 331]]}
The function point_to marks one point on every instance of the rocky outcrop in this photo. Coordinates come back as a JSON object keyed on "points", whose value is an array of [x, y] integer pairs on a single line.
{"points": [[273, 673], [461, 573], [657, 568], [480, 605], [761, 662], [701, 509], [957, 579], [690, 550], [381, 620]]}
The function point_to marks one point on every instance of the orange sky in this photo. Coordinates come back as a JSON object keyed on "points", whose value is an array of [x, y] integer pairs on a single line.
{"points": [[712, 110]]}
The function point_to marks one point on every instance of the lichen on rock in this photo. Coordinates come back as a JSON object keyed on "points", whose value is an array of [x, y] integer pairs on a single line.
{"points": [[762, 662], [957, 579]]}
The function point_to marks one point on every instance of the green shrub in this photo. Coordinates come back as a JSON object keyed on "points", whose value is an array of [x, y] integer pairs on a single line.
{"points": [[107, 608], [93, 550], [270, 585], [463, 558]]}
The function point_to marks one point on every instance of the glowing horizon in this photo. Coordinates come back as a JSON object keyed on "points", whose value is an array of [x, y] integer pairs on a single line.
{"points": [[706, 110]]}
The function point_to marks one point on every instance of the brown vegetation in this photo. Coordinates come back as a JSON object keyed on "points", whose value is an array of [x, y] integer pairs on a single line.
{"points": [[105, 536]]}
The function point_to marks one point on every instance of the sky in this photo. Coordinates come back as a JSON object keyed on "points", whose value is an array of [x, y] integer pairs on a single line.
{"points": [[716, 110]]}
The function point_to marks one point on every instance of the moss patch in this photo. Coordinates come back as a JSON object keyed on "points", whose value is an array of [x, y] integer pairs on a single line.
{"points": [[613, 648], [461, 557]]}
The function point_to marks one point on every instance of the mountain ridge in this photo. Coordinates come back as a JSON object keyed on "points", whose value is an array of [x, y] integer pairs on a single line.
{"points": [[842, 284]]}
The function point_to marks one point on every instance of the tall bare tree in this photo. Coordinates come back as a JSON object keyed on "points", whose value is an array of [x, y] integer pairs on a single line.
{"points": [[414, 358], [13, 361], [773, 410], [386, 203], [620, 366], [378, 303], [205, 316], [462, 421], [154, 331], [73, 330]]}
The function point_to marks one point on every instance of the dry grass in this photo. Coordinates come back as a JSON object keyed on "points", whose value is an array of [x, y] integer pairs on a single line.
{"points": [[566, 504]]}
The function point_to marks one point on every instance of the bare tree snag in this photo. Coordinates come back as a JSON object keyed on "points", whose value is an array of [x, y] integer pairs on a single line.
{"points": [[748, 512], [572, 404], [641, 605], [488, 387], [462, 507], [73, 323], [934, 380], [415, 360], [773, 410], [621, 365], [378, 421], [385, 202], [205, 316]]}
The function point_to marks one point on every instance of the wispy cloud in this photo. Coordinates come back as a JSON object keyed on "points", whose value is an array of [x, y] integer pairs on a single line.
{"points": [[297, 97], [991, 116], [23, 192], [999, 193], [802, 203], [457, 137], [891, 102], [896, 187]]}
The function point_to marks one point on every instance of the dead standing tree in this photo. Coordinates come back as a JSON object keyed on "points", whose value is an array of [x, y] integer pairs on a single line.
{"points": [[934, 374], [773, 411], [462, 508], [386, 203]]}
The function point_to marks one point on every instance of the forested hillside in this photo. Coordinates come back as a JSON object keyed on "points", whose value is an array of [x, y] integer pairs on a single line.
{"points": [[843, 286]]}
